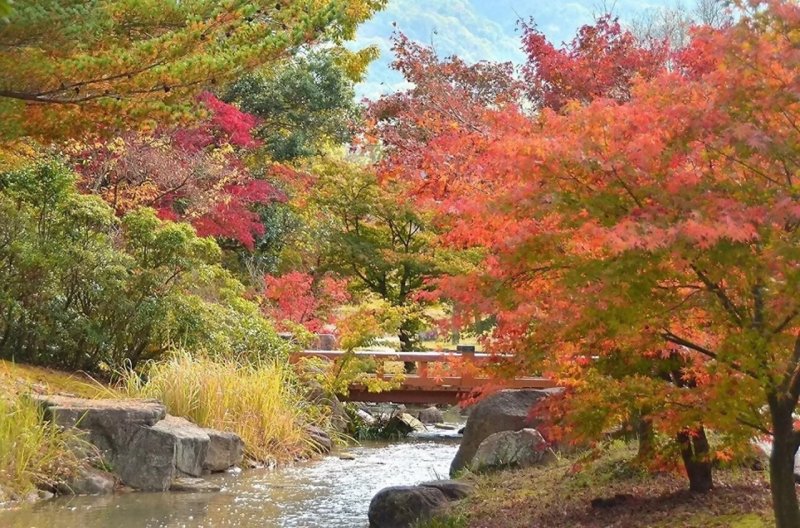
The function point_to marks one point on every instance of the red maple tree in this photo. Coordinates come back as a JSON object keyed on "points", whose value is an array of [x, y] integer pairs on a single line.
{"points": [[194, 174]]}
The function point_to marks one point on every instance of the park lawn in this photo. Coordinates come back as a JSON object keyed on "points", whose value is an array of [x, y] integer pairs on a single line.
{"points": [[561, 496]]}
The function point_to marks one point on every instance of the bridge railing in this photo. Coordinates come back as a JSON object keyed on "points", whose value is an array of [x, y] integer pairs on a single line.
{"points": [[422, 378]]}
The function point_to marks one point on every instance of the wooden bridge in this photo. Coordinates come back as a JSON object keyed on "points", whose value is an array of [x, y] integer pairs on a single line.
{"points": [[419, 387]]}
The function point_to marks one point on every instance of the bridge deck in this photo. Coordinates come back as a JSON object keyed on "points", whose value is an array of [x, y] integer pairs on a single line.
{"points": [[419, 387]]}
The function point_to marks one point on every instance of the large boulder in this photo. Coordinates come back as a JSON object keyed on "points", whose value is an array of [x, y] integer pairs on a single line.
{"points": [[506, 410], [512, 449], [225, 450], [109, 423], [191, 443], [431, 415], [452, 489], [147, 461], [147, 448], [402, 506]]}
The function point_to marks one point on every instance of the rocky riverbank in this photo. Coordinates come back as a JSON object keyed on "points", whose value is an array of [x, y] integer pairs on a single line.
{"points": [[604, 488], [135, 443], [499, 434], [510, 478]]}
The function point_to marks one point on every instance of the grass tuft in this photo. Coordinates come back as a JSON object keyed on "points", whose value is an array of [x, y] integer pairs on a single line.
{"points": [[260, 402], [33, 451]]}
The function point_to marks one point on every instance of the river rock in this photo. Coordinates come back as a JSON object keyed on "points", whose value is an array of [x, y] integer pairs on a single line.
{"points": [[339, 420], [121, 430], [89, 481], [506, 410], [225, 450], [431, 415], [191, 443], [193, 485], [412, 423], [452, 489], [147, 461], [512, 449], [365, 417], [109, 423], [320, 439], [402, 506], [146, 447], [447, 427]]}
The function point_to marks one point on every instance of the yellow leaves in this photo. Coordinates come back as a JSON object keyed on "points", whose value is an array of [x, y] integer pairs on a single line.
{"points": [[16, 154], [355, 64], [360, 325]]}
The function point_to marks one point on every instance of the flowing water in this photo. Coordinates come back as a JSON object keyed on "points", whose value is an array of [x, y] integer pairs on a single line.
{"points": [[328, 493]]}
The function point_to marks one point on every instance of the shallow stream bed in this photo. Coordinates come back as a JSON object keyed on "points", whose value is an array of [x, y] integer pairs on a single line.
{"points": [[327, 493]]}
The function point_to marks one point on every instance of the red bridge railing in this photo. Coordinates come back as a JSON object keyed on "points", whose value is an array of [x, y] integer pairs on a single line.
{"points": [[422, 387]]}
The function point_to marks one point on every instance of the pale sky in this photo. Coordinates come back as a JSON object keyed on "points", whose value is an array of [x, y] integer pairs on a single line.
{"points": [[478, 29]]}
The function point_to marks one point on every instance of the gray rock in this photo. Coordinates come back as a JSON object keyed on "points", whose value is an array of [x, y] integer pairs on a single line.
{"points": [[402, 506], [412, 423], [191, 443], [506, 410], [225, 450], [452, 489], [431, 415], [109, 423], [90, 481], [146, 447], [193, 485], [121, 430], [44, 495], [339, 420], [319, 439], [365, 417], [445, 427], [147, 461], [512, 449]]}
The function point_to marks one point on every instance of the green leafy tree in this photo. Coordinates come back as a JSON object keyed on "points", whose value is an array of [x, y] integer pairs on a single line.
{"points": [[5, 7], [305, 105], [364, 232], [82, 289]]}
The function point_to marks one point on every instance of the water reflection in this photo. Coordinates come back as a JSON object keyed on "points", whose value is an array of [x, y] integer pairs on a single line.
{"points": [[326, 493]]}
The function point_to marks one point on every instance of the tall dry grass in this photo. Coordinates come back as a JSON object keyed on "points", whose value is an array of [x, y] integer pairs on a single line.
{"points": [[33, 451], [260, 402]]}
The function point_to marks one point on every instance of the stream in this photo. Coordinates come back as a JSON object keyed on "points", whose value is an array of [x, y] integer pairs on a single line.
{"points": [[326, 493]]}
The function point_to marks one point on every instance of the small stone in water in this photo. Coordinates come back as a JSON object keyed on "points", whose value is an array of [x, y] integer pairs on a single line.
{"points": [[346, 456], [187, 484]]}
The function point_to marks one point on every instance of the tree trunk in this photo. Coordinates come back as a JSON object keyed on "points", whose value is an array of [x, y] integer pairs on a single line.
{"points": [[781, 466], [407, 345], [644, 430], [696, 459]]}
